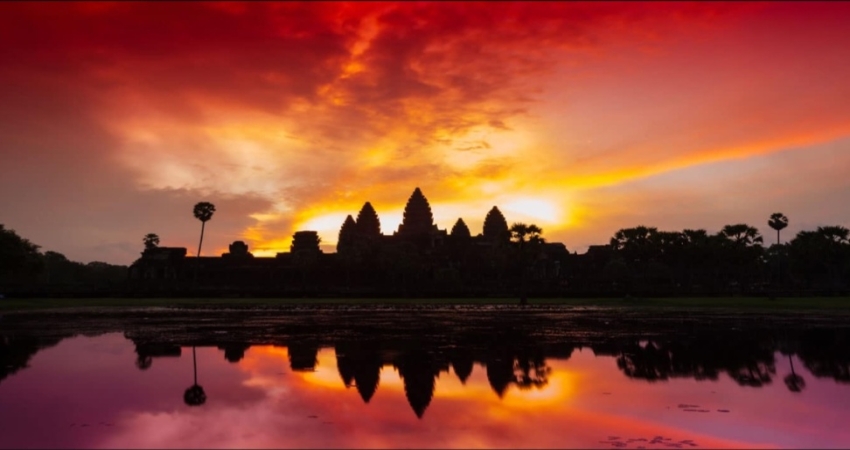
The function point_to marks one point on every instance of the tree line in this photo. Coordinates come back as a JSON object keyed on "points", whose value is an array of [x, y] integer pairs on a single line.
{"points": [[734, 257], [22, 264]]}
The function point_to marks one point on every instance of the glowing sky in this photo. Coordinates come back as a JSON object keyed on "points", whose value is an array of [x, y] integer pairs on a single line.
{"points": [[582, 118]]}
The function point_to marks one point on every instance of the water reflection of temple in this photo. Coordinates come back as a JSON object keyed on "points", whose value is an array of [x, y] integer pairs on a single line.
{"points": [[749, 355], [747, 359]]}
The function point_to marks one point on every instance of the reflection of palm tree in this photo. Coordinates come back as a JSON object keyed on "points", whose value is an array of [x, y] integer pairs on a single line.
{"points": [[794, 382], [195, 395]]}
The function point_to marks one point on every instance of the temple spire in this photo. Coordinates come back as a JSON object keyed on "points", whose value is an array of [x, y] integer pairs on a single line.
{"points": [[495, 226], [368, 224], [417, 215]]}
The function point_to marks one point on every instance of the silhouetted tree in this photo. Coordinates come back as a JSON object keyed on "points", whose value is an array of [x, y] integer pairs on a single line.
{"points": [[742, 234], [778, 222], [203, 211], [150, 240], [819, 256], [195, 395], [527, 240], [19, 258]]}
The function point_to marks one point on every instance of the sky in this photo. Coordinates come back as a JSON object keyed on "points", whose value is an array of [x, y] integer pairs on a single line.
{"points": [[583, 118]]}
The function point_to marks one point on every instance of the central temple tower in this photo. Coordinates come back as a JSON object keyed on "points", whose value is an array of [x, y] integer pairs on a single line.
{"points": [[418, 219]]}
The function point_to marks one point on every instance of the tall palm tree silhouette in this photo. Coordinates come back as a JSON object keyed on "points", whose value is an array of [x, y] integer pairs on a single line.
{"points": [[527, 238], [203, 211], [195, 395], [778, 221]]}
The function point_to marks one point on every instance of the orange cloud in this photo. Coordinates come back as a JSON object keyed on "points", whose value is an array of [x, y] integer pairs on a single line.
{"points": [[317, 108]]}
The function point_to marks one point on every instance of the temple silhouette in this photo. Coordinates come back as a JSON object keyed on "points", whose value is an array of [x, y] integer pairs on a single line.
{"points": [[417, 259]]}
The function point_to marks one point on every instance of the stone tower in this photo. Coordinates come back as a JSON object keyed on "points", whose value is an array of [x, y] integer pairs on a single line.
{"points": [[368, 224], [495, 226], [418, 219]]}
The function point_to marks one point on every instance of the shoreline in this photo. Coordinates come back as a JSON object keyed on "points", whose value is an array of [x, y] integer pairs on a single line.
{"points": [[833, 304]]}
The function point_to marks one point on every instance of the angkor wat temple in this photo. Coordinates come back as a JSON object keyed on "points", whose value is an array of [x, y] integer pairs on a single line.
{"points": [[417, 259]]}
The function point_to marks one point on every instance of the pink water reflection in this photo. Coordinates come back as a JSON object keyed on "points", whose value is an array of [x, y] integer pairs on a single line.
{"points": [[87, 392]]}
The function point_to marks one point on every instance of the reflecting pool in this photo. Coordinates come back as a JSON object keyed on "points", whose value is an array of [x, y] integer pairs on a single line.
{"points": [[153, 380]]}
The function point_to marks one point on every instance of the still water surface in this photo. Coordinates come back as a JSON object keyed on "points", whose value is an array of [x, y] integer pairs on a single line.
{"points": [[426, 377], [107, 391]]}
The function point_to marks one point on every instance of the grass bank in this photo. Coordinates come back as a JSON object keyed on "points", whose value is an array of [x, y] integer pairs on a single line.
{"points": [[742, 303]]}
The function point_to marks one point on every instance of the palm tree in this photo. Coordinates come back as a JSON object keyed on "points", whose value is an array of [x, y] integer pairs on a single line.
{"points": [[777, 221], [195, 395], [203, 211], [151, 240], [525, 236], [741, 234]]}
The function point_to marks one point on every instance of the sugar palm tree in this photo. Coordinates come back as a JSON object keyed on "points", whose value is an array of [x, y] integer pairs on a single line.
{"points": [[526, 238], [195, 395], [778, 221], [203, 211]]}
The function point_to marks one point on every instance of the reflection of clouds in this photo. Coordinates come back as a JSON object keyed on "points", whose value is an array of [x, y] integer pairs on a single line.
{"points": [[260, 403]]}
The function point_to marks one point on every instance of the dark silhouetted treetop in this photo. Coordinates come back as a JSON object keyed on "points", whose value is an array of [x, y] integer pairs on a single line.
{"points": [[633, 238], [836, 234], [741, 234], [495, 226], [347, 235], [460, 230], [368, 224], [522, 233], [17, 255], [151, 240], [203, 211], [417, 215], [778, 222], [305, 242]]}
